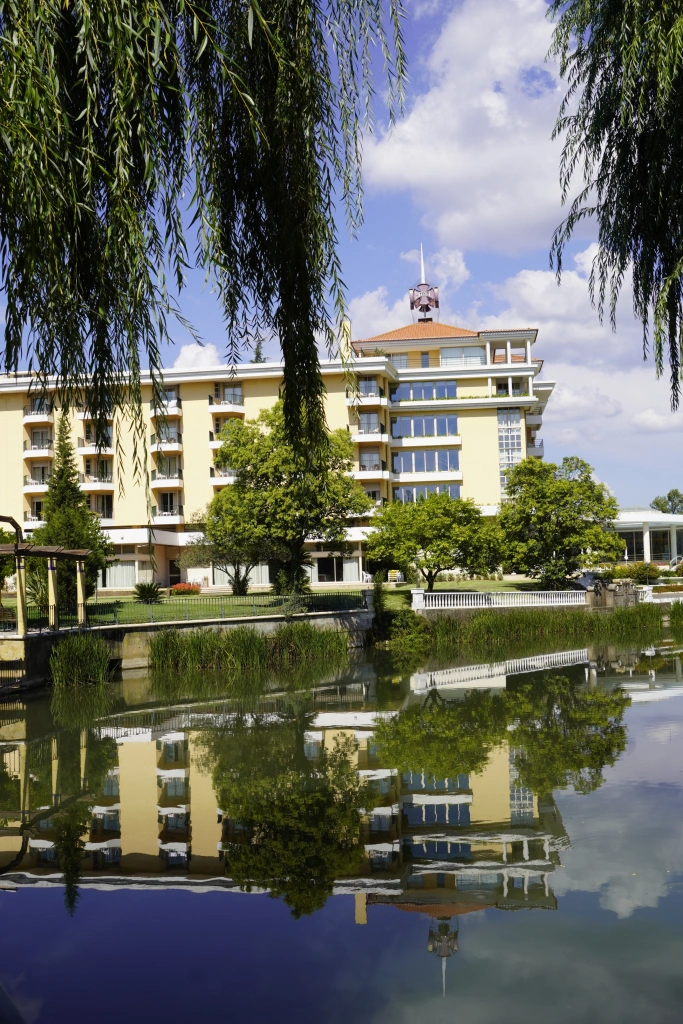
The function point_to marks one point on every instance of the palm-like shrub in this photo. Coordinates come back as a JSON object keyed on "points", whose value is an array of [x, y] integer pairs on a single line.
{"points": [[148, 593]]}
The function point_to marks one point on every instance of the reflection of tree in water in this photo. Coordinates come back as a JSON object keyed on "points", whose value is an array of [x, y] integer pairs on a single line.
{"points": [[69, 828], [291, 824], [563, 735]]}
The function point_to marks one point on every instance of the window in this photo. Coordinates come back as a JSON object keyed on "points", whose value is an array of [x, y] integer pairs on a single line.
{"points": [[424, 391], [410, 494], [111, 785], [37, 509], [400, 362], [369, 460], [509, 442], [103, 505], [660, 545], [367, 386], [633, 545], [424, 426], [369, 423], [40, 439], [430, 460], [424, 359], [173, 788], [469, 355]]}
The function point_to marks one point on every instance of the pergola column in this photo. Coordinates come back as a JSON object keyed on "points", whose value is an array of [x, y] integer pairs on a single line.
{"points": [[21, 594], [646, 543], [52, 609], [80, 592]]}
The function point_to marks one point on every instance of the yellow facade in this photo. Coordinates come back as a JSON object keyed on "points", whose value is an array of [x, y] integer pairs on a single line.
{"points": [[434, 407]]}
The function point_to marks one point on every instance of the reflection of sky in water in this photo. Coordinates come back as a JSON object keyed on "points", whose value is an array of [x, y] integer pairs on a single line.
{"points": [[612, 952]]}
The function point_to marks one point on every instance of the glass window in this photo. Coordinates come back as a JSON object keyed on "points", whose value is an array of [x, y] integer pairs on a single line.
{"points": [[660, 545], [418, 426], [400, 392], [468, 355], [400, 361], [429, 426], [424, 359], [633, 545], [369, 459], [446, 389], [442, 460], [430, 461], [369, 423], [419, 462], [509, 442], [452, 425]]}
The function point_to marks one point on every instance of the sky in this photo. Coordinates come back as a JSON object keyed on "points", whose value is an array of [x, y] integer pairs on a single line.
{"points": [[470, 172]]}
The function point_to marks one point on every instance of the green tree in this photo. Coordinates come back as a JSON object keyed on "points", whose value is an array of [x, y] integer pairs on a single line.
{"points": [[622, 118], [69, 522], [233, 539], [293, 823], [444, 738], [69, 828], [565, 736], [119, 119], [435, 534], [287, 496], [673, 502], [554, 519], [8, 563]]}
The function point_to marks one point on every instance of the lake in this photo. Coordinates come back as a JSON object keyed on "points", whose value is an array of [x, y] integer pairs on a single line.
{"points": [[471, 842]]}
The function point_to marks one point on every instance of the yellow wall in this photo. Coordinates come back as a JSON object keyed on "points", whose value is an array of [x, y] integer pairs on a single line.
{"points": [[479, 463]]}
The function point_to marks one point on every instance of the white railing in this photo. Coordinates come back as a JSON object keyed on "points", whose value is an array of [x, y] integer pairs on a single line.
{"points": [[471, 676], [439, 599]]}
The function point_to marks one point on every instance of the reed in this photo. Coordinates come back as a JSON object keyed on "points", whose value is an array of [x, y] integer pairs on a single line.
{"points": [[488, 630], [244, 649], [80, 659]]}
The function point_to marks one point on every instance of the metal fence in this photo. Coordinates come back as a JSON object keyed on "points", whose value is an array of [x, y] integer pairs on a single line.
{"points": [[498, 599]]}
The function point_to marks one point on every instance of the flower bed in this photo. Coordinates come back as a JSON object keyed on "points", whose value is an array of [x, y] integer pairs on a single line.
{"points": [[185, 589]]}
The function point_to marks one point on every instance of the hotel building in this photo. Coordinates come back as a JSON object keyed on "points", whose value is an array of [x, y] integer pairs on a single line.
{"points": [[434, 408]]}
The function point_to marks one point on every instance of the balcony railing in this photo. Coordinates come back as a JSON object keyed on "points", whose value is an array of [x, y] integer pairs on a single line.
{"points": [[366, 391], [157, 474], [103, 513], [92, 478], [214, 471], [537, 444], [90, 442], [373, 467], [38, 446], [171, 510], [30, 481], [39, 409], [30, 517], [375, 428], [229, 398], [170, 437]]}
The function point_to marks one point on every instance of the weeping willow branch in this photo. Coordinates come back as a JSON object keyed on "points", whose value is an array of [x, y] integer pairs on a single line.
{"points": [[622, 120], [141, 137]]}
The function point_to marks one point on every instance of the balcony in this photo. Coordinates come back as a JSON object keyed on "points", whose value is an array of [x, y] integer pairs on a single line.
{"points": [[171, 409], [169, 515], [99, 482], [535, 448], [105, 515], [375, 470], [32, 522], [427, 441], [373, 435], [38, 449], [172, 480], [38, 413], [220, 477], [88, 446], [453, 476], [232, 401], [366, 396], [533, 420], [35, 484], [84, 414], [169, 441]]}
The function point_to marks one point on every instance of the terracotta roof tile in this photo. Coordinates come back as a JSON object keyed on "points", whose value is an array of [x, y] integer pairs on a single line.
{"points": [[420, 330]]}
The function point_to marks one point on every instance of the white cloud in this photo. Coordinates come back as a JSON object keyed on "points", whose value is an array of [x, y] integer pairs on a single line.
{"points": [[371, 313], [657, 422], [581, 403], [196, 356], [474, 150]]}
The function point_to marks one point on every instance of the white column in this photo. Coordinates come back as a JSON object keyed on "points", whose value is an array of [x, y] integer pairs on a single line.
{"points": [[526, 884], [490, 388], [672, 544], [509, 353], [531, 386], [418, 599], [525, 849], [505, 853], [505, 883], [545, 882], [488, 353], [509, 387], [646, 542], [528, 351]]}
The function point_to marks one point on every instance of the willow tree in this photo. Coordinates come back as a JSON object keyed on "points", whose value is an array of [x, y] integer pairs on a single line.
{"points": [[142, 137], [622, 118]]}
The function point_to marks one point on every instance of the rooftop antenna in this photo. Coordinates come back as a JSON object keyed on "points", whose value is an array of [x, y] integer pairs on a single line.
{"points": [[423, 298]]}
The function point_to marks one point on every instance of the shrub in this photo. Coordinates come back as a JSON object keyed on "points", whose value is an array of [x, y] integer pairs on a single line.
{"points": [[180, 589], [148, 593], [80, 659], [639, 572]]}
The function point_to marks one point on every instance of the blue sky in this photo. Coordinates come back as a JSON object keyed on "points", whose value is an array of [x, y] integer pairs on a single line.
{"points": [[470, 172]]}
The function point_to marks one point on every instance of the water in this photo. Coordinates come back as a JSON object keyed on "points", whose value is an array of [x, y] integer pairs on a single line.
{"points": [[517, 855]]}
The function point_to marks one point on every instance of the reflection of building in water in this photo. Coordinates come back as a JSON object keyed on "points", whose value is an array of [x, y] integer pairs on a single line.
{"points": [[438, 846]]}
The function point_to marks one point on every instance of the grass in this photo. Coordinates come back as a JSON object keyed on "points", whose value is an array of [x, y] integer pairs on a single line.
{"points": [[80, 660], [245, 649]]}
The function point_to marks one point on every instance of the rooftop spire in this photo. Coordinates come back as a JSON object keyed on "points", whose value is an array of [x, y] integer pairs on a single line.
{"points": [[423, 298], [423, 279]]}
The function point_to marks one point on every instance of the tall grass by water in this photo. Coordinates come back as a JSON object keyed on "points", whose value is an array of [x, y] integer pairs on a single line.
{"points": [[487, 630], [245, 649], [80, 659]]}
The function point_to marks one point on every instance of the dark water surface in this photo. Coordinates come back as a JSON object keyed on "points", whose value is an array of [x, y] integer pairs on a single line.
{"points": [[496, 842]]}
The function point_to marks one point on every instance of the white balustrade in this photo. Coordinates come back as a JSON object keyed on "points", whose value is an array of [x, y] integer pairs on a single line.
{"points": [[439, 599]]}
